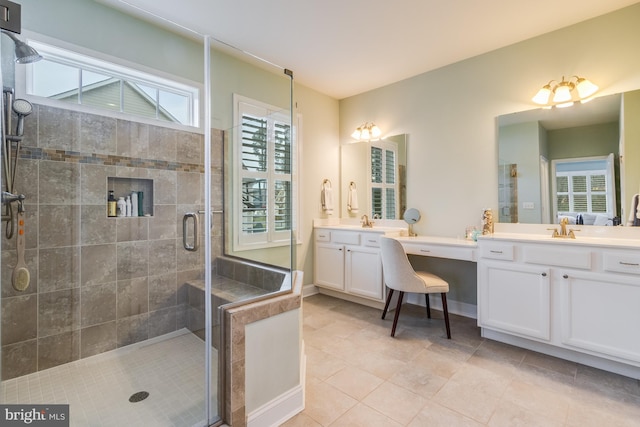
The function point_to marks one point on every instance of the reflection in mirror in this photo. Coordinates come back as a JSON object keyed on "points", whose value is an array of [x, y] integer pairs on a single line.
{"points": [[377, 170], [540, 178]]}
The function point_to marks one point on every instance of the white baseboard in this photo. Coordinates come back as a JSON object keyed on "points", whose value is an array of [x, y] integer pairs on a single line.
{"points": [[308, 290], [284, 406], [455, 307]]}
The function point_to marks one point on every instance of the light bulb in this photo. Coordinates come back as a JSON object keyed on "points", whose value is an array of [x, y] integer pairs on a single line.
{"points": [[562, 93]]}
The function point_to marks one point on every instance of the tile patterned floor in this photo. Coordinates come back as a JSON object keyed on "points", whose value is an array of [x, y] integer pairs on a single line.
{"points": [[357, 375], [98, 388]]}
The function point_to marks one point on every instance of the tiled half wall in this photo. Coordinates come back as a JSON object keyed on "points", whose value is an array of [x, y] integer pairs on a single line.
{"points": [[100, 283]]}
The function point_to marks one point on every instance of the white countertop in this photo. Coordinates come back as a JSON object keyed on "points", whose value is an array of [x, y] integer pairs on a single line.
{"points": [[600, 241]]}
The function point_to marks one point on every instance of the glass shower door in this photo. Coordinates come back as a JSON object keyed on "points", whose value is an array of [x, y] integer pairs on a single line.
{"points": [[113, 316]]}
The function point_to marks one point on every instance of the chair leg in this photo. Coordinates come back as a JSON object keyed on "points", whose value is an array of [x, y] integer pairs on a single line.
{"points": [[445, 310], [386, 305], [395, 318], [428, 306]]}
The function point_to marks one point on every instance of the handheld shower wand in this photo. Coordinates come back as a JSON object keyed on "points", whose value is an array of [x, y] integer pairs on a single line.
{"points": [[22, 108]]}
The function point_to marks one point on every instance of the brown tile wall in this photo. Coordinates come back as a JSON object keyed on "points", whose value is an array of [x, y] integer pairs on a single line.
{"points": [[99, 283]]}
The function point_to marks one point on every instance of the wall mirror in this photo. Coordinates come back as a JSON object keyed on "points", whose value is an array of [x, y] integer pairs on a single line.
{"points": [[580, 160], [377, 172]]}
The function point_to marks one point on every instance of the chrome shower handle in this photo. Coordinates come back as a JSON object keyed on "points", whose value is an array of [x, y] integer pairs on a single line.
{"points": [[196, 231]]}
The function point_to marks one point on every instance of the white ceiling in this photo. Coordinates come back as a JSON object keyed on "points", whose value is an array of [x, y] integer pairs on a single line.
{"points": [[345, 47]]}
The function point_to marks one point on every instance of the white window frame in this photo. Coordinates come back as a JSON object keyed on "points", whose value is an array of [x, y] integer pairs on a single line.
{"points": [[384, 146], [271, 238], [87, 59]]}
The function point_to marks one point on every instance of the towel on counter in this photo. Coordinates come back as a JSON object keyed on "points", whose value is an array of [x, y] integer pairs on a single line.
{"points": [[326, 199], [352, 199], [634, 212]]}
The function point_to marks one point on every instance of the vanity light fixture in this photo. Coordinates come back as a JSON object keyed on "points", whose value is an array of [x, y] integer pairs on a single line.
{"points": [[367, 132], [563, 92]]}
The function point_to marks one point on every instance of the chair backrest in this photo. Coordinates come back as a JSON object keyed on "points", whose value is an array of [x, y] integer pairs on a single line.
{"points": [[398, 272]]}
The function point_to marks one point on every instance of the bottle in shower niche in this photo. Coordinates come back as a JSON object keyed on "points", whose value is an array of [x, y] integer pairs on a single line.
{"points": [[111, 205], [134, 203], [122, 207], [128, 206]]}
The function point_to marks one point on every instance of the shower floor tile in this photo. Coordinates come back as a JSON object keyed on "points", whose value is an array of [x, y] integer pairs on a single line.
{"points": [[171, 369]]}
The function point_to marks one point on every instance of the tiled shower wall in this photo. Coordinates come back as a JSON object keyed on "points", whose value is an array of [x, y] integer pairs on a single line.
{"points": [[100, 283]]}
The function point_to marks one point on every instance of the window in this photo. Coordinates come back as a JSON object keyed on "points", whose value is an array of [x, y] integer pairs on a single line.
{"points": [[585, 186], [263, 175], [77, 79], [384, 182]]}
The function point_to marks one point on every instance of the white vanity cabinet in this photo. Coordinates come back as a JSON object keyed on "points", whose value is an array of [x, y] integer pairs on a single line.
{"points": [[349, 262], [569, 299], [600, 313], [515, 298]]}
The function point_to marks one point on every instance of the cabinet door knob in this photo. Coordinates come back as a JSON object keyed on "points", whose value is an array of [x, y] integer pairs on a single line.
{"points": [[565, 276], [340, 249], [544, 274]]}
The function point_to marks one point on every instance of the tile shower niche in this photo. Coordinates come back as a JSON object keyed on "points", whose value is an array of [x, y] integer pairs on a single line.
{"points": [[123, 187]]}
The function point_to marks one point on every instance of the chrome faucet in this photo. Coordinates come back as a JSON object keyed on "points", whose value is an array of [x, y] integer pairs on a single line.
{"points": [[563, 234], [365, 222]]}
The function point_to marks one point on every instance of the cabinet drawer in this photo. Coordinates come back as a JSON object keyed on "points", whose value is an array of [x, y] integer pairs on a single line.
{"points": [[371, 240], [626, 262], [440, 251], [497, 251], [559, 256], [348, 238], [323, 236]]}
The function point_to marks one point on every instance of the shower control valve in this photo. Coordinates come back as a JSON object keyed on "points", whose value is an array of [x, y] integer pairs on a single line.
{"points": [[10, 198]]}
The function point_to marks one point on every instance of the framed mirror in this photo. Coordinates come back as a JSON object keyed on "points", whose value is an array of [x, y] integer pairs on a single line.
{"points": [[551, 162], [378, 172]]}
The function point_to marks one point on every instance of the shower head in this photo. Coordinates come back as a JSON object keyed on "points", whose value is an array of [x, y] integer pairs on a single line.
{"points": [[22, 108], [25, 54]]}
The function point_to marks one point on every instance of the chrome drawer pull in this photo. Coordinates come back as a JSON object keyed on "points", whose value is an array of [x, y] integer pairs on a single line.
{"points": [[496, 252], [425, 251], [632, 264]]}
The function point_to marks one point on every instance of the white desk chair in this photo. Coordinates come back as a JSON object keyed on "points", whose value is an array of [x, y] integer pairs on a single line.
{"points": [[399, 275]]}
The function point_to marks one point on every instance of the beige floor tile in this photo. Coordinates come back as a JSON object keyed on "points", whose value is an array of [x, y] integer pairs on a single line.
{"points": [[597, 379], [418, 379], [561, 366], [322, 365], [467, 401], [554, 405], [301, 420], [363, 416], [482, 380], [395, 402], [437, 363], [509, 414], [435, 415], [355, 382], [377, 364], [589, 415], [325, 403]]}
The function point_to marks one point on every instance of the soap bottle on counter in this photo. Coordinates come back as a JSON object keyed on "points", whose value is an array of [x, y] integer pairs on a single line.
{"points": [[111, 204]]}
